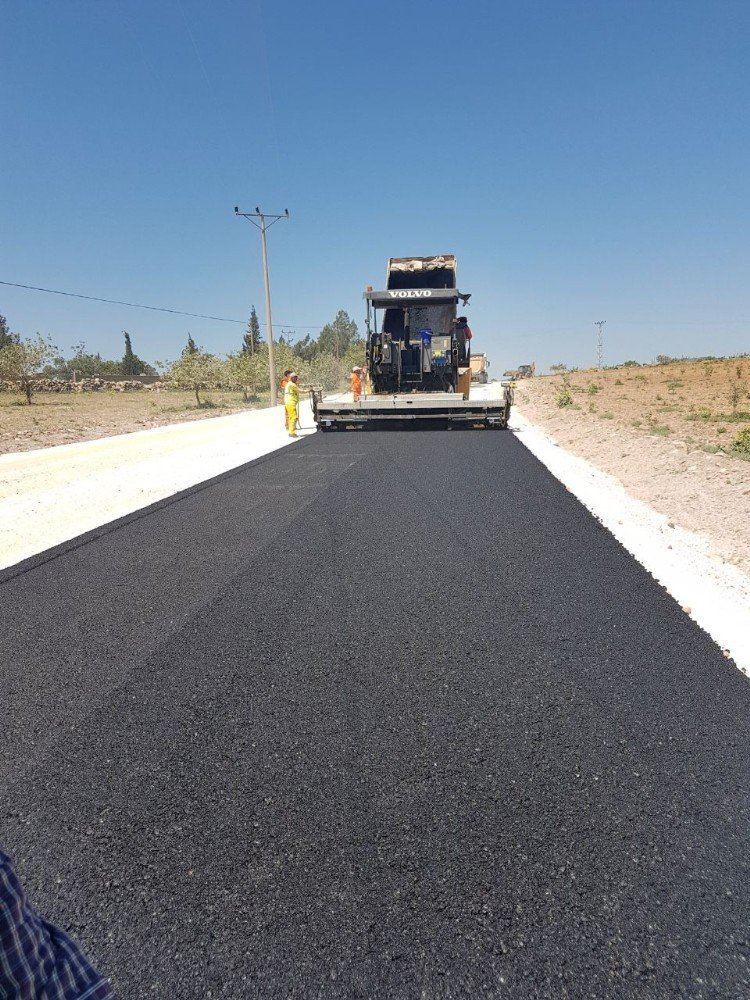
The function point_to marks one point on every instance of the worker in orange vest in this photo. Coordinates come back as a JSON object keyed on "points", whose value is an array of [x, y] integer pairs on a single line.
{"points": [[356, 382]]}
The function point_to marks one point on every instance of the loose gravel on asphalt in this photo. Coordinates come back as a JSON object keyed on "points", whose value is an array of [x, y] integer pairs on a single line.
{"points": [[379, 715]]}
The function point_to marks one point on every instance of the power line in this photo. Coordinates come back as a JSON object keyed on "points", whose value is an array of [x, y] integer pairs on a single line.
{"points": [[140, 305]]}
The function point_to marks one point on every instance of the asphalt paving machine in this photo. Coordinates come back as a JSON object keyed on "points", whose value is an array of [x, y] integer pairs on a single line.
{"points": [[417, 356]]}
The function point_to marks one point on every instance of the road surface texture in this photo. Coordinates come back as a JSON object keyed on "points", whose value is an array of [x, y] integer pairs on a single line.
{"points": [[380, 715]]}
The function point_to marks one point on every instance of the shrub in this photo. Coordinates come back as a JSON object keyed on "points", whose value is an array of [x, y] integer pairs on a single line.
{"points": [[196, 370], [736, 393], [564, 395], [742, 442], [22, 360]]}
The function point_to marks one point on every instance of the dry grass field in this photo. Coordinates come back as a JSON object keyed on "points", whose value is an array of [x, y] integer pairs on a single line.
{"points": [[61, 418], [701, 403], [674, 435]]}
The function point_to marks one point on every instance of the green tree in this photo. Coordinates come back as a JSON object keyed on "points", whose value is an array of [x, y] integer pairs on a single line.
{"points": [[307, 348], [249, 371], [190, 347], [22, 362], [6, 337], [196, 371], [336, 338], [252, 339], [355, 355], [328, 372], [88, 365], [131, 365], [57, 368], [284, 357], [129, 360]]}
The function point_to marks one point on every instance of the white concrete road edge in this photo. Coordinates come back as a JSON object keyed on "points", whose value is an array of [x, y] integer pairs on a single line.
{"points": [[715, 594]]}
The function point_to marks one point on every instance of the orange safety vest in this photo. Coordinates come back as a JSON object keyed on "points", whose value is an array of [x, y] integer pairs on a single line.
{"points": [[356, 385]]}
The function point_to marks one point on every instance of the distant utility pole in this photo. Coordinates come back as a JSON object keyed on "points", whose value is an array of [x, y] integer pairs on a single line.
{"points": [[600, 343], [263, 226]]}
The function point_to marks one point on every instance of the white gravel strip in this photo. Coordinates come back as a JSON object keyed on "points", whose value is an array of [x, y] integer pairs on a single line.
{"points": [[52, 495], [716, 595]]}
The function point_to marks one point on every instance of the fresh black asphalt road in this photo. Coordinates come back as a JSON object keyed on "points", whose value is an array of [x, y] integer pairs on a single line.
{"points": [[380, 715]]}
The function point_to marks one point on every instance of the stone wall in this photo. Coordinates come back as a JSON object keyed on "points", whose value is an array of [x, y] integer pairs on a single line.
{"points": [[86, 385]]}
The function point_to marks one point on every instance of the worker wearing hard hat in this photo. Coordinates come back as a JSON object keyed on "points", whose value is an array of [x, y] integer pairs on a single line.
{"points": [[356, 382], [291, 404]]}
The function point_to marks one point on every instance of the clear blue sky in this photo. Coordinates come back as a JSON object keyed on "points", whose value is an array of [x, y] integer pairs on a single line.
{"points": [[584, 160]]}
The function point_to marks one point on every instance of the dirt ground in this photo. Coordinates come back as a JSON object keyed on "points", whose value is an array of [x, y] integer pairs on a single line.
{"points": [[62, 418], [666, 432]]}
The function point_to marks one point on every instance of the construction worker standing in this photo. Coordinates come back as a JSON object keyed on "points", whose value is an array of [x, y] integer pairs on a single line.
{"points": [[283, 385], [356, 382], [291, 404], [463, 336]]}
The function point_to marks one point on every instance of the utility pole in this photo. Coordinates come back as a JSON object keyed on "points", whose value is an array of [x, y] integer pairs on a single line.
{"points": [[600, 343], [264, 226]]}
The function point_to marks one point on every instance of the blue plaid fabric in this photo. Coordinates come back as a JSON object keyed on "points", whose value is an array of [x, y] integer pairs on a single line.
{"points": [[38, 961]]}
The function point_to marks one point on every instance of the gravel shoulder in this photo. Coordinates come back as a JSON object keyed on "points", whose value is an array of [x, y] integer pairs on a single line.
{"points": [[706, 492]]}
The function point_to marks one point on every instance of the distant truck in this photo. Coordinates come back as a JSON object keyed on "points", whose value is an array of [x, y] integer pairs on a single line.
{"points": [[479, 363], [523, 371]]}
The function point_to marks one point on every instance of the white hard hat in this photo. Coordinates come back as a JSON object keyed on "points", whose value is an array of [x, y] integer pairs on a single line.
{"points": [[293, 375], [356, 368]]}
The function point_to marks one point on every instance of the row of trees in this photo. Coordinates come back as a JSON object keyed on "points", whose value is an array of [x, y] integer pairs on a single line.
{"points": [[81, 362], [325, 360], [249, 369]]}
